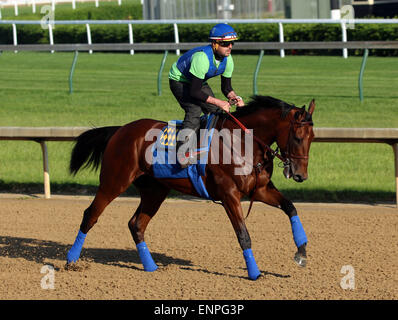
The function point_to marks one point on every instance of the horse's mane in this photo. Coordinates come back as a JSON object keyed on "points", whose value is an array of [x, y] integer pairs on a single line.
{"points": [[264, 102]]}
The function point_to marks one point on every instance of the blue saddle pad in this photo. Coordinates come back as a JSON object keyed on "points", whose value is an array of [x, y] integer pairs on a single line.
{"points": [[165, 164]]}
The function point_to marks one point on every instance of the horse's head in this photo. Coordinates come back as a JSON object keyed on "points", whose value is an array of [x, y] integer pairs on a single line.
{"points": [[291, 127], [297, 143]]}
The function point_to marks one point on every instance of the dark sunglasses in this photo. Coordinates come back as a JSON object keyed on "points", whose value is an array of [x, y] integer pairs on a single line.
{"points": [[225, 43]]}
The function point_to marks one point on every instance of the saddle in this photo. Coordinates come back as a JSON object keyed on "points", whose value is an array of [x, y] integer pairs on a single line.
{"points": [[165, 164]]}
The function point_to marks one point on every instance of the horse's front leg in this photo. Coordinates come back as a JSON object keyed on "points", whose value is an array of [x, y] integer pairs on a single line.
{"points": [[270, 195], [299, 236], [233, 208]]}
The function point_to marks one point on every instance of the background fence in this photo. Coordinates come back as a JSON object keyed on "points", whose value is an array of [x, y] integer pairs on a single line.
{"points": [[357, 135], [130, 23], [186, 46]]}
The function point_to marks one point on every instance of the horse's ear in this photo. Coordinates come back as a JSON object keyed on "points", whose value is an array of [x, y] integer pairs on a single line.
{"points": [[311, 108]]}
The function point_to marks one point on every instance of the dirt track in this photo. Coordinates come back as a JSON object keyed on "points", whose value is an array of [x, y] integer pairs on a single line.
{"points": [[197, 252]]}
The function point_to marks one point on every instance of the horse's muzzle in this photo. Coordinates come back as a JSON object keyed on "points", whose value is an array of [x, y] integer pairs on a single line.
{"points": [[288, 172]]}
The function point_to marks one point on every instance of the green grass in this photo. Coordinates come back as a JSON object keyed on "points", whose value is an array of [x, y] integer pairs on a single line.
{"points": [[114, 89]]}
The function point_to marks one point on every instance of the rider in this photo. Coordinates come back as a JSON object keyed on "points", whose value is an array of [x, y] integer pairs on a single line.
{"points": [[188, 82]]}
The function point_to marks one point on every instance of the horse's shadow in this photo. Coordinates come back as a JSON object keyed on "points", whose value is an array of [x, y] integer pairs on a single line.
{"points": [[263, 273], [41, 251]]}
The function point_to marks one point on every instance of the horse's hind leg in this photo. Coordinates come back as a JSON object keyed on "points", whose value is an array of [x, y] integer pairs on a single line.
{"points": [[112, 184], [90, 217], [153, 193]]}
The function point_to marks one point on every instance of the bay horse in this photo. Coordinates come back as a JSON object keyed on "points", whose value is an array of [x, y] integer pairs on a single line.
{"points": [[120, 152]]}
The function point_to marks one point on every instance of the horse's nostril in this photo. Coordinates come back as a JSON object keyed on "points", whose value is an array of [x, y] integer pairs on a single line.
{"points": [[298, 178]]}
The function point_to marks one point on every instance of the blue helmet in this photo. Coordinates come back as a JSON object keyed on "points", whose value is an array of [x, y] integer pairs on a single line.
{"points": [[223, 32]]}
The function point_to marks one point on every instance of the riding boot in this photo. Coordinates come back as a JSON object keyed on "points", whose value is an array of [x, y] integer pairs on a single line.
{"points": [[185, 155]]}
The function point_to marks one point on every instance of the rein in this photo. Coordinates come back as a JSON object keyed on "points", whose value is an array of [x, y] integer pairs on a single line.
{"points": [[265, 146], [258, 167]]}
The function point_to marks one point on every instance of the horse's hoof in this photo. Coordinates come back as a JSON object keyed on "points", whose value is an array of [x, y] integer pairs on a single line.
{"points": [[150, 268], [255, 277], [300, 260], [72, 266]]}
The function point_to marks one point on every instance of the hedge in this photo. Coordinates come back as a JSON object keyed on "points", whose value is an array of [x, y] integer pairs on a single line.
{"points": [[106, 11], [30, 34]]}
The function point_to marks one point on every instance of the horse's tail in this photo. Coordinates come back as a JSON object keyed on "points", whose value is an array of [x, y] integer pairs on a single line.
{"points": [[89, 148]]}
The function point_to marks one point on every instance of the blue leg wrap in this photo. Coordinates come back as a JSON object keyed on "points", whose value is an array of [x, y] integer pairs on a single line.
{"points": [[252, 268], [298, 231], [74, 252], [146, 258]]}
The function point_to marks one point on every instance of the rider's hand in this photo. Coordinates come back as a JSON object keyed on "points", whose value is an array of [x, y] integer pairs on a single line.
{"points": [[237, 101], [224, 105]]}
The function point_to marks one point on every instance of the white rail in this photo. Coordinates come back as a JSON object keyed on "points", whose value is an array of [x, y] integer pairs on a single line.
{"points": [[342, 22], [330, 135]]}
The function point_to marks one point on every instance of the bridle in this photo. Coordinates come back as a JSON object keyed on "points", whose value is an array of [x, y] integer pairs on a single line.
{"points": [[294, 124]]}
